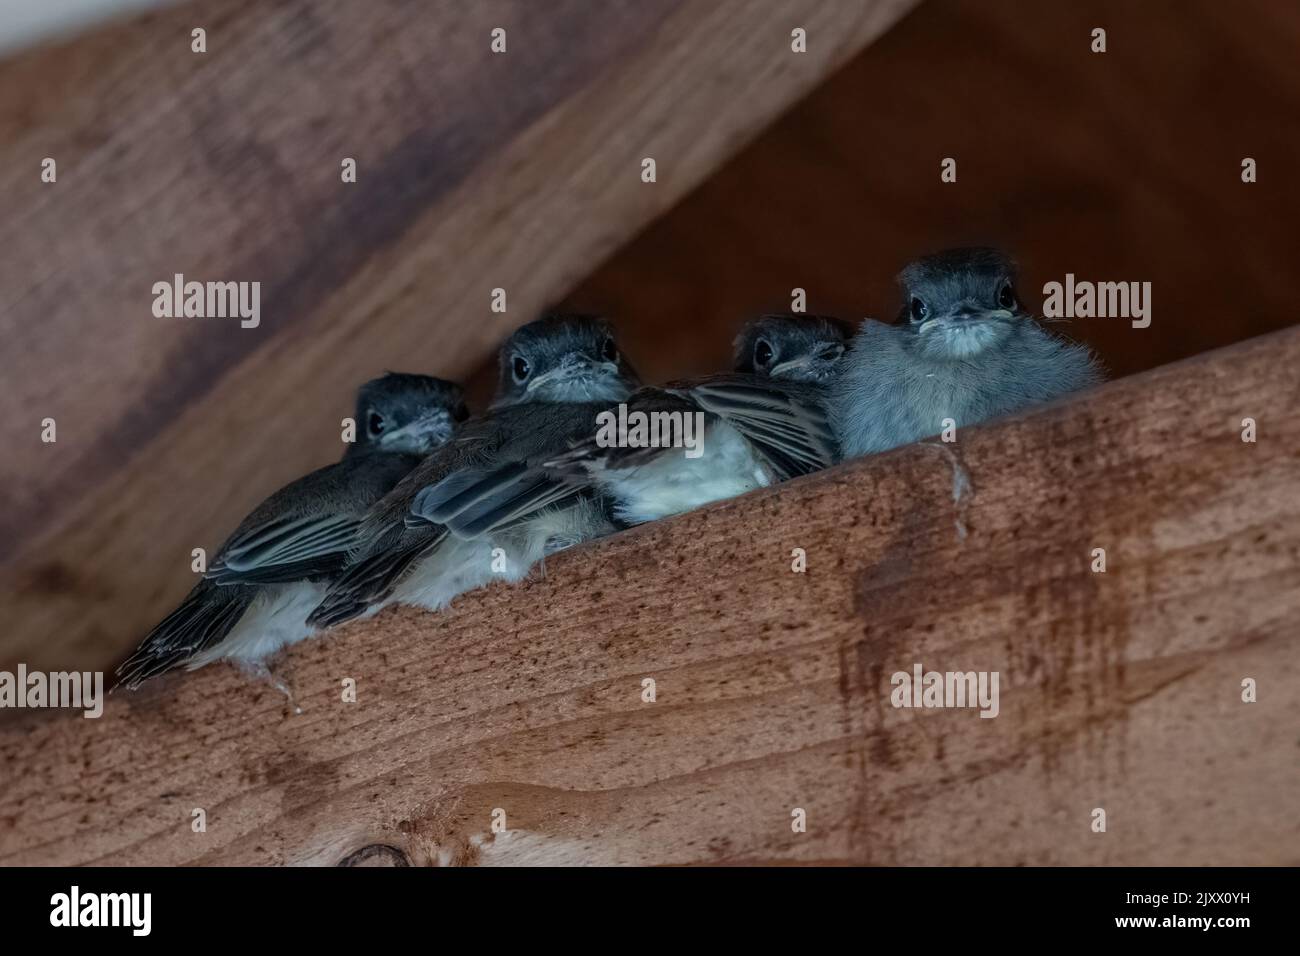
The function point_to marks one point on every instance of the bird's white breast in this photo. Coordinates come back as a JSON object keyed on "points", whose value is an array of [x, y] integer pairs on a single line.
{"points": [[274, 620], [672, 483]]}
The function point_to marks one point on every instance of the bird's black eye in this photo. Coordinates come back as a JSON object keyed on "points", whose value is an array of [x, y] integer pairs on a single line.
{"points": [[460, 413], [1007, 296], [919, 309], [375, 424], [762, 353], [609, 351], [521, 368]]}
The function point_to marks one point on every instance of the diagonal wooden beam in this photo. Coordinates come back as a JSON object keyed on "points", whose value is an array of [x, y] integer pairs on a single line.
{"points": [[1119, 690], [475, 171]]}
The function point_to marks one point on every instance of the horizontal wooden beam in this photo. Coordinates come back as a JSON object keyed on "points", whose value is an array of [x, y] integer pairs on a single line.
{"points": [[526, 706], [475, 171]]}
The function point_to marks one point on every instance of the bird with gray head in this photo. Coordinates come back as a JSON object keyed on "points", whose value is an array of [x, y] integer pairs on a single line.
{"points": [[483, 507], [255, 596], [792, 346], [964, 349]]}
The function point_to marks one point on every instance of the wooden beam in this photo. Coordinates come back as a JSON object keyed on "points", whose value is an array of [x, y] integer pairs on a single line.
{"points": [[475, 171], [1118, 690]]}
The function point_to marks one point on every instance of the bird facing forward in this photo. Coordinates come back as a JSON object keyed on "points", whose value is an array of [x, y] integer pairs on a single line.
{"points": [[255, 596], [964, 349], [792, 346]]}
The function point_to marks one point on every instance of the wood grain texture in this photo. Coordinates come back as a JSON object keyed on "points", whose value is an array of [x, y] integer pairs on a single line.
{"points": [[1118, 690], [475, 171]]}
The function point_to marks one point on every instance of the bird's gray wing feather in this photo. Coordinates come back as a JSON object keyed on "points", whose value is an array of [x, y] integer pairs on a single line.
{"points": [[475, 502], [488, 478], [511, 485], [307, 528], [388, 544], [284, 542], [372, 577], [784, 422]]}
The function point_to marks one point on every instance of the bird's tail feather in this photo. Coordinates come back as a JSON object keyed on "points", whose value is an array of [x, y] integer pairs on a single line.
{"points": [[202, 621]]}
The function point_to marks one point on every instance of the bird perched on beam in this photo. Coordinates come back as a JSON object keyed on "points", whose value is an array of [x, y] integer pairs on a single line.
{"points": [[483, 507], [792, 346], [964, 349], [269, 574]]}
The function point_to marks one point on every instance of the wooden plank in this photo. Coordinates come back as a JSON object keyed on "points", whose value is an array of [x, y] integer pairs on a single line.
{"points": [[1118, 690], [475, 171]]}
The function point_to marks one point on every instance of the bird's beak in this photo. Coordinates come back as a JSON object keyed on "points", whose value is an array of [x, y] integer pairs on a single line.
{"points": [[827, 354], [574, 366], [967, 314], [426, 432], [780, 368], [972, 314]]}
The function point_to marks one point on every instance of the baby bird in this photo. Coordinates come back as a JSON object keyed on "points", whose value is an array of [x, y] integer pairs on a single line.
{"points": [[965, 349], [792, 346], [437, 534], [255, 596]]}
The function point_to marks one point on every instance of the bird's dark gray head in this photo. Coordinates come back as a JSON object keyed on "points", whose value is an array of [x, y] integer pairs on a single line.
{"points": [[563, 358], [794, 347], [413, 414], [960, 302]]}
